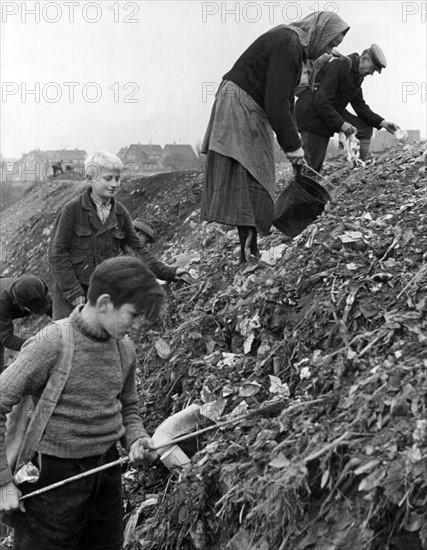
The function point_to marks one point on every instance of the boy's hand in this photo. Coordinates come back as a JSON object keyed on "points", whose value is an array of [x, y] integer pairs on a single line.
{"points": [[9, 498], [181, 271], [185, 276], [140, 451], [80, 300]]}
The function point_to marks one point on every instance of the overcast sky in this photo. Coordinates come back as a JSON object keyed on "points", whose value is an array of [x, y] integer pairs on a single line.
{"points": [[102, 75]]}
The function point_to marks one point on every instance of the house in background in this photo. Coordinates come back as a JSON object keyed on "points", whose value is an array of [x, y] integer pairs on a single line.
{"points": [[177, 157], [153, 154], [141, 158], [37, 165]]}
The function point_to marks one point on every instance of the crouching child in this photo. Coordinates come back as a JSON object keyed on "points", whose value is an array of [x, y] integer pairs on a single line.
{"points": [[97, 407]]}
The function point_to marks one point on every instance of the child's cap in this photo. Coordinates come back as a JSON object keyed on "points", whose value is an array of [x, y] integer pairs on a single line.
{"points": [[32, 293], [146, 227]]}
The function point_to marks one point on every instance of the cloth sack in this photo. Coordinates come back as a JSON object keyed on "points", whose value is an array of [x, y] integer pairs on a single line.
{"points": [[26, 423]]}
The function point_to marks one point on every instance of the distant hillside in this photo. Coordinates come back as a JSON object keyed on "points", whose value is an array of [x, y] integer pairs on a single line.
{"points": [[11, 193]]}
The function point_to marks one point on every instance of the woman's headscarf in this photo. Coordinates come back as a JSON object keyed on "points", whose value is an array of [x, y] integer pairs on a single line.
{"points": [[317, 31]]}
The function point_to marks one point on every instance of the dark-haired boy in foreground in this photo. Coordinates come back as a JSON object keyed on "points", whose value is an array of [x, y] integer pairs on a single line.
{"points": [[97, 408]]}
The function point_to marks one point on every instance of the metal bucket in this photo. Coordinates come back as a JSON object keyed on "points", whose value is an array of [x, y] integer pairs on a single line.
{"points": [[299, 205]]}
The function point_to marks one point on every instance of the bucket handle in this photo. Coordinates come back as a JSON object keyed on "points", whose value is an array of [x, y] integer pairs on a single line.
{"points": [[306, 165]]}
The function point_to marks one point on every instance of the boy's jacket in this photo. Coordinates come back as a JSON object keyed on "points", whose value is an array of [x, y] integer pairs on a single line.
{"points": [[80, 242]]}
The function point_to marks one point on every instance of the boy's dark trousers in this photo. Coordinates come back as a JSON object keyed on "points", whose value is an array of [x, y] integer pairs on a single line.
{"points": [[83, 515]]}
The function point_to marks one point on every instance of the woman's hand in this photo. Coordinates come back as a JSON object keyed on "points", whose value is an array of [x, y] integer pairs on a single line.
{"points": [[296, 158]]}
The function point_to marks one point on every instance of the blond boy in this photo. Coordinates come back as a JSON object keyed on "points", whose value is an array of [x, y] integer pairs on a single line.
{"points": [[92, 228]]}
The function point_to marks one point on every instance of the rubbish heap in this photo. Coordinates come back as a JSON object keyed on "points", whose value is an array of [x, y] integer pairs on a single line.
{"points": [[332, 323]]}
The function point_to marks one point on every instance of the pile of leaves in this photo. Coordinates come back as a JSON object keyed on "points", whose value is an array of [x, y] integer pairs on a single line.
{"points": [[332, 325]]}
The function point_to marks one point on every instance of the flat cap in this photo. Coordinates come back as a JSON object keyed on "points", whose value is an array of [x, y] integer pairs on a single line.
{"points": [[146, 227], [32, 293], [377, 56]]}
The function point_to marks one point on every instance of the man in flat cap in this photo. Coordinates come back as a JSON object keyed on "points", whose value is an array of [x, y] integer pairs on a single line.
{"points": [[321, 111], [19, 297]]}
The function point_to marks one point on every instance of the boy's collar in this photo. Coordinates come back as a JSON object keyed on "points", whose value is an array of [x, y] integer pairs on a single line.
{"points": [[87, 199], [88, 204], [98, 202], [91, 329]]}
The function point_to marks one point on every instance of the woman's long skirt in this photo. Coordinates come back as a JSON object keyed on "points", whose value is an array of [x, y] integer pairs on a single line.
{"points": [[232, 196]]}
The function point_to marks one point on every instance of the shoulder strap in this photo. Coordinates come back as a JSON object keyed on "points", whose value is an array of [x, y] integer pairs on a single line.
{"points": [[50, 395], [127, 354]]}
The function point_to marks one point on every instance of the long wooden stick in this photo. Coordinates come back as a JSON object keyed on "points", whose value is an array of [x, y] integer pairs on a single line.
{"points": [[75, 478], [124, 460]]}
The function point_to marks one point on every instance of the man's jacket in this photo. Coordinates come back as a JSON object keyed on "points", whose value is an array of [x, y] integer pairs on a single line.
{"points": [[80, 241], [9, 311], [321, 111]]}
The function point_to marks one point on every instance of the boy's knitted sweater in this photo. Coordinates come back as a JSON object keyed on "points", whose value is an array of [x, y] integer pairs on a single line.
{"points": [[99, 403]]}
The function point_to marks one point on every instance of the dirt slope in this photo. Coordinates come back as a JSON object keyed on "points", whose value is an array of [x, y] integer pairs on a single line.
{"points": [[333, 326], [340, 317], [164, 199]]}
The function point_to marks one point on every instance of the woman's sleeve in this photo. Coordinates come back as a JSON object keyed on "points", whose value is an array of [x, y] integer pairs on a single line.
{"points": [[283, 75]]}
